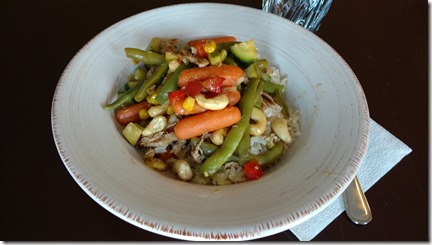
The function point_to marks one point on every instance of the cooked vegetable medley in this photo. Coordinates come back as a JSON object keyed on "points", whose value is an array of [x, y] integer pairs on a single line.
{"points": [[210, 111]]}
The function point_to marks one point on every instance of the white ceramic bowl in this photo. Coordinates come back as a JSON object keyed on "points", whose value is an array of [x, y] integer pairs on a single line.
{"points": [[317, 169]]}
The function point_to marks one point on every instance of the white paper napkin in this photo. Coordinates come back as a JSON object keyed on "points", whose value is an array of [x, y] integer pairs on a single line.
{"points": [[383, 152]]}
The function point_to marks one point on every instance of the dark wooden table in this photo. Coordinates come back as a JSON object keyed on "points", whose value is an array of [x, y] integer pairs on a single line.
{"points": [[385, 42]]}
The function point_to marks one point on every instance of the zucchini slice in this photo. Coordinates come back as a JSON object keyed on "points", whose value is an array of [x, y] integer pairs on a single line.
{"points": [[245, 51]]}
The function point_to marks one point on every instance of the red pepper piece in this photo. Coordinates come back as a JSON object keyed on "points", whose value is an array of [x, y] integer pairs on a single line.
{"points": [[252, 170], [213, 84], [193, 87]]}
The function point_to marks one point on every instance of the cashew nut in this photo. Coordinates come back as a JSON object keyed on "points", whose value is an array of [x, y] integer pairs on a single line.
{"points": [[260, 122], [155, 125], [280, 128], [182, 169], [158, 110], [218, 136], [216, 103]]}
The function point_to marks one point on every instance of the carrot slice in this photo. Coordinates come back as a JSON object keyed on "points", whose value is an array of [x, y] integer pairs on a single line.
{"points": [[205, 122], [231, 74], [131, 113], [199, 44]]}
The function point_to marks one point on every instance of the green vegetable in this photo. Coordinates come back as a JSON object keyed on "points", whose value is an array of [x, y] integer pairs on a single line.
{"points": [[132, 132], [268, 157], [155, 78], [281, 101], [155, 45], [270, 87], [230, 61], [170, 84], [146, 57], [235, 134], [225, 45], [139, 73], [126, 97], [244, 144], [258, 98], [217, 57], [131, 84], [258, 70], [245, 51]]}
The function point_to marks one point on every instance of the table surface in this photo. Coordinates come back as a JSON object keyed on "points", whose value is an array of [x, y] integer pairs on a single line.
{"points": [[384, 42]]}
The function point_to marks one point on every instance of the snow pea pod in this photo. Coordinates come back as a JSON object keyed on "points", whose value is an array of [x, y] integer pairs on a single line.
{"points": [[235, 134]]}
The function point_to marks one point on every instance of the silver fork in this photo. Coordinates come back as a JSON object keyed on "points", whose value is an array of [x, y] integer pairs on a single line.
{"points": [[356, 205]]}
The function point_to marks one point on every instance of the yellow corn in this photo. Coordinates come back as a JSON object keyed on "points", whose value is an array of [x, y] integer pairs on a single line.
{"points": [[189, 103], [170, 110], [143, 114], [152, 99], [210, 46]]}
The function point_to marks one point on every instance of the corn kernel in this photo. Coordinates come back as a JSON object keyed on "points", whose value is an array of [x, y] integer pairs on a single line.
{"points": [[152, 99], [170, 110], [143, 114], [270, 145], [189, 103], [210, 46]]}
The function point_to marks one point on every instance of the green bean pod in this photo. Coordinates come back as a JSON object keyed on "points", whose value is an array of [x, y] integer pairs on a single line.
{"points": [[125, 97], [268, 157], [155, 78], [170, 84], [229, 61], [258, 98], [155, 45], [234, 135], [244, 144], [270, 87], [146, 57], [281, 101]]}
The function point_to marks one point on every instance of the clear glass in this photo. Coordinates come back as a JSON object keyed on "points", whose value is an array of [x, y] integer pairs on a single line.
{"points": [[307, 13]]}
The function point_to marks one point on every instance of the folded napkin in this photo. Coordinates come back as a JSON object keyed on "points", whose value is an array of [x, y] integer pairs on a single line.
{"points": [[383, 152]]}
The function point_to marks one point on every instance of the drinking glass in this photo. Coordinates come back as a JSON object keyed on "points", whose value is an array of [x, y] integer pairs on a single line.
{"points": [[307, 13]]}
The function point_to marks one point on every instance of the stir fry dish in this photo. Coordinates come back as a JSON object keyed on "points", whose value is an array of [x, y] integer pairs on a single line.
{"points": [[209, 111]]}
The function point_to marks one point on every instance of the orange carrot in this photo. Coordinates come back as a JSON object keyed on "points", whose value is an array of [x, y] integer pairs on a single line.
{"points": [[180, 110], [231, 74], [233, 95], [131, 113], [199, 44], [205, 122]]}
